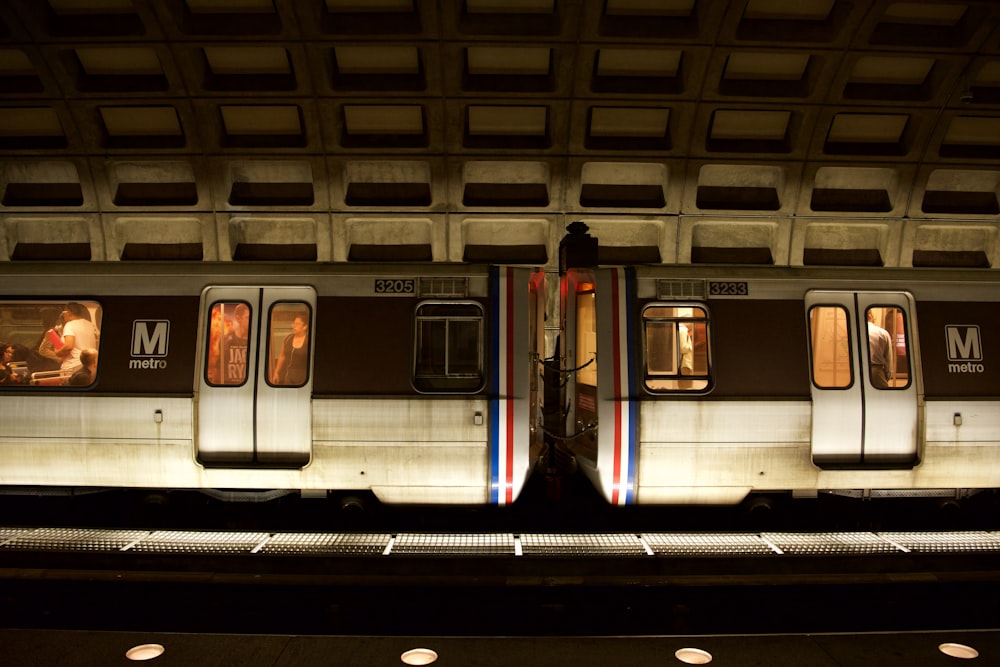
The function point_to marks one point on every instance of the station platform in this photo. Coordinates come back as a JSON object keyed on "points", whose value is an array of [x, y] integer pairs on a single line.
{"points": [[86, 595]]}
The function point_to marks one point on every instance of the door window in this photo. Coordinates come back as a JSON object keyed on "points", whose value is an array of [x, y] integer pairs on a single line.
{"points": [[586, 335], [289, 345], [888, 348], [228, 332], [830, 347]]}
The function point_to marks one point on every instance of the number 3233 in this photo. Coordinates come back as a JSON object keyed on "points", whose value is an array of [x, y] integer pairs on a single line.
{"points": [[728, 288]]}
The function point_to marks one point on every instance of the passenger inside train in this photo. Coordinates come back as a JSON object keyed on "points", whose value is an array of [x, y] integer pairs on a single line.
{"points": [[291, 367], [880, 353], [11, 371], [51, 358], [677, 351], [84, 376]]}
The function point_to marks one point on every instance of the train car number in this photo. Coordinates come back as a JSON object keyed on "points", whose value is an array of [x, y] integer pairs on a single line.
{"points": [[728, 288], [395, 285]]}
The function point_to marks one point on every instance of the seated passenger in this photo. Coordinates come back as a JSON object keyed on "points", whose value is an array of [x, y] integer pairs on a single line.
{"points": [[85, 376], [8, 375]]}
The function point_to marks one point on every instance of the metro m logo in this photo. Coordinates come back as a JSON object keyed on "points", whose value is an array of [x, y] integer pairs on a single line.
{"points": [[964, 343], [150, 338]]}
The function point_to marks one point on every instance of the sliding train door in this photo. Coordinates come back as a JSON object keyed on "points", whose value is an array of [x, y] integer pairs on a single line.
{"points": [[600, 382], [255, 383], [865, 397]]}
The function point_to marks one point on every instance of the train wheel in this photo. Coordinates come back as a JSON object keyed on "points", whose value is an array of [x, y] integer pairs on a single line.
{"points": [[762, 511], [155, 508], [951, 512], [354, 504]]}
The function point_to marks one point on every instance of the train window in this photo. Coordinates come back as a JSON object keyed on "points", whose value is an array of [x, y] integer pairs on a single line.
{"points": [[228, 333], [888, 351], [49, 344], [586, 337], [676, 348], [831, 347], [288, 344], [448, 347]]}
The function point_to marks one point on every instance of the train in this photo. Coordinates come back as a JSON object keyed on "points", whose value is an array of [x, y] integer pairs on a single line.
{"points": [[417, 384], [456, 384], [714, 384]]}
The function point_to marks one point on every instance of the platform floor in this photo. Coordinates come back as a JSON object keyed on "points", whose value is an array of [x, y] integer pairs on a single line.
{"points": [[28, 648], [85, 596]]}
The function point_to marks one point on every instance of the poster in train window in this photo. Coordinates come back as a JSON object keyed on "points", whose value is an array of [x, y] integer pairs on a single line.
{"points": [[830, 347], [448, 347], [228, 333], [676, 348], [49, 344], [288, 344]]}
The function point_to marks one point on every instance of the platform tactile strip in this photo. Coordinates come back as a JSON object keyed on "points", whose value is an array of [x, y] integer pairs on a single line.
{"points": [[7, 534], [948, 542], [207, 542], [74, 539], [830, 544], [573, 545], [458, 544], [707, 544], [326, 544]]}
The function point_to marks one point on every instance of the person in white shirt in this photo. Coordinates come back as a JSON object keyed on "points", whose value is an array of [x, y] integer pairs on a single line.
{"points": [[880, 349], [79, 333]]}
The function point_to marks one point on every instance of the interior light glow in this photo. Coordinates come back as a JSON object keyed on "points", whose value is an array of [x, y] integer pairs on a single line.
{"points": [[693, 656], [144, 652], [419, 656], [958, 651]]}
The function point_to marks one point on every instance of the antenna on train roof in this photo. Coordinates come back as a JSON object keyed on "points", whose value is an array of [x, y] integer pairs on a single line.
{"points": [[578, 249]]}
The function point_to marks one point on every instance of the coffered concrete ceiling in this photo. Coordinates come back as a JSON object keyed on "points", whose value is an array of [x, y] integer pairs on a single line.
{"points": [[746, 131]]}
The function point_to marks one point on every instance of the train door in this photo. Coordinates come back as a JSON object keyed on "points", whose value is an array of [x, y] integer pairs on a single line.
{"points": [[579, 314], [864, 390], [255, 385], [600, 379]]}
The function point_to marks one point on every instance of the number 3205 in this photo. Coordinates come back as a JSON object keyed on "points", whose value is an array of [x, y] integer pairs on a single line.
{"points": [[394, 285]]}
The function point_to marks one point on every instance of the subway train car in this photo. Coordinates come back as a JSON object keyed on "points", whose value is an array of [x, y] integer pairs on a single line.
{"points": [[702, 385], [419, 384]]}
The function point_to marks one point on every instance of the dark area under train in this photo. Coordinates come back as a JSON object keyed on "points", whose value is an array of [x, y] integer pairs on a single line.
{"points": [[563, 504]]}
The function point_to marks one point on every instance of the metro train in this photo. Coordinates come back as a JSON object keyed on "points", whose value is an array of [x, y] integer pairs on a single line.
{"points": [[418, 384], [433, 384], [704, 385]]}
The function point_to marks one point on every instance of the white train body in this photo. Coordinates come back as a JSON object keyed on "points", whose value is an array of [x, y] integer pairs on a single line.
{"points": [[782, 395], [421, 382]]}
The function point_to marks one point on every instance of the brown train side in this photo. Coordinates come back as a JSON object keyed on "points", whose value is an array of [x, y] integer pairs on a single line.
{"points": [[363, 346], [760, 349]]}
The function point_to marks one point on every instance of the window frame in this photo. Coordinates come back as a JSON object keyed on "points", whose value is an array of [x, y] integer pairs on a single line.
{"points": [[208, 343], [892, 344], [23, 367], [454, 383], [708, 377], [268, 349], [851, 354]]}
